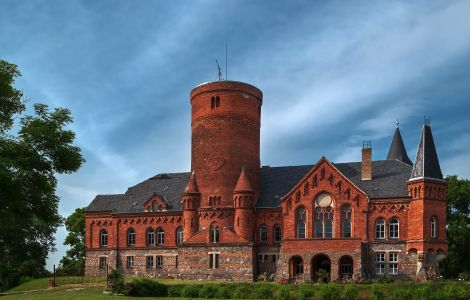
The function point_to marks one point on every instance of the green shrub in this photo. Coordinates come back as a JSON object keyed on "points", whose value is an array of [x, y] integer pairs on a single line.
{"points": [[402, 292], [143, 287], [175, 290], [223, 291], [329, 292], [116, 280], [282, 293], [208, 291], [262, 291], [242, 291], [350, 292], [457, 291], [378, 292], [305, 292], [190, 291]]}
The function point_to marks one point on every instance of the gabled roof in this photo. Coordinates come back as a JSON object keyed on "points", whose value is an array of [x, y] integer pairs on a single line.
{"points": [[397, 149], [389, 181], [426, 163]]}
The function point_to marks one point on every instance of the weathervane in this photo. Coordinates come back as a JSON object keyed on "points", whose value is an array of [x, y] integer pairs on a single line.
{"points": [[220, 77], [398, 123], [427, 121]]}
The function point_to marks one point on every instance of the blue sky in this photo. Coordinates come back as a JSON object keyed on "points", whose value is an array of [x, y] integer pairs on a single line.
{"points": [[333, 74]]}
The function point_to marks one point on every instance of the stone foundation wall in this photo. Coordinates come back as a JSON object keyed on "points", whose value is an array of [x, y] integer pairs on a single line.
{"points": [[235, 263], [266, 259], [407, 262]]}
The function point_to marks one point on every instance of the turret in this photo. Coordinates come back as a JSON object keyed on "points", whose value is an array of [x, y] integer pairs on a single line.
{"points": [[397, 149], [427, 214], [243, 202], [191, 200]]}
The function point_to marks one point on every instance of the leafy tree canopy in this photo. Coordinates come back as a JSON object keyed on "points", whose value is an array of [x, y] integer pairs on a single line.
{"points": [[74, 260], [29, 160], [458, 226]]}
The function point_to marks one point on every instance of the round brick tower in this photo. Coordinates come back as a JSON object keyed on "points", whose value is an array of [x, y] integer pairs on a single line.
{"points": [[225, 123]]}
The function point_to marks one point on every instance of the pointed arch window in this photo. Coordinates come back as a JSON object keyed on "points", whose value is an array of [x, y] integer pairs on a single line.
{"points": [[150, 237], [300, 217], [179, 235], [394, 229], [346, 223], [433, 227], [131, 237], [214, 233], [323, 218], [380, 229], [263, 234], [103, 238], [160, 236]]}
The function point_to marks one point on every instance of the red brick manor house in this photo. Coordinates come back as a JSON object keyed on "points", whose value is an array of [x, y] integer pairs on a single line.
{"points": [[231, 219]]}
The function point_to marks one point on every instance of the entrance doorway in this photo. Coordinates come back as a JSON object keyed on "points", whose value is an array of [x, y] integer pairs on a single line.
{"points": [[296, 267], [321, 268]]}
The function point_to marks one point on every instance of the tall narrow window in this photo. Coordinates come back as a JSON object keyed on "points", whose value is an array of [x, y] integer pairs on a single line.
{"points": [[346, 221], [130, 261], [323, 218], [217, 101], [213, 260], [277, 234], [380, 263], [393, 263], [214, 233], [149, 261], [103, 238], [102, 262], [393, 229], [150, 237], [380, 229], [131, 237], [433, 227], [160, 236], [212, 102], [300, 222], [263, 234], [179, 235], [159, 261]]}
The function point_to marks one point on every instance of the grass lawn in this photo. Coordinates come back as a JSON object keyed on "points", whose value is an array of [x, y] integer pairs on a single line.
{"points": [[42, 283]]}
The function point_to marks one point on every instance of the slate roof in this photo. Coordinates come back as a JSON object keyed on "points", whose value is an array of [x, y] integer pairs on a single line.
{"points": [[389, 180], [397, 149], [426, 163]]}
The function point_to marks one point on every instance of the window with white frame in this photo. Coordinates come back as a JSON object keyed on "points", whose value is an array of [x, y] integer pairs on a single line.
{"points": [[149, 261], [380, 263], [213, 260], [346, 221], [160, 236], [131, 237], [380, 229], [102, 262], [300, 222], [263, 234], [150, 237], [393, 229], [214, 233], [277, 234], [393, 263], [130, 261], [103, 238], [323, 217], [159, 261], [179, 235]]}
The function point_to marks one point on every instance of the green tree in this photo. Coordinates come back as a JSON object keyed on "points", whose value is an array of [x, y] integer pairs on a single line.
{"points": [[458, 227], [74, 260], [30, 157]]}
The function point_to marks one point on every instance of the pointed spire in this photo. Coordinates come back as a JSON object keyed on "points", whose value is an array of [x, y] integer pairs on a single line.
{"points": [[427, 163], [191, 187], [397, 148], [243, 184]]}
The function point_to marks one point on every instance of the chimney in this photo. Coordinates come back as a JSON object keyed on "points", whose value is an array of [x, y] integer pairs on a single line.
{"points": [[366, 160]]}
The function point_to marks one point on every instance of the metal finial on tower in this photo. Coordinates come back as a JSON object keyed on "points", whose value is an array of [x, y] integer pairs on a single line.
{"points": [[427, 121], [220, 77], [398, 123]]}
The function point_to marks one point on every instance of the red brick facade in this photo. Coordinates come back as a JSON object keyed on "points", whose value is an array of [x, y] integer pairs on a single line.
{"points": [[324, 222]]}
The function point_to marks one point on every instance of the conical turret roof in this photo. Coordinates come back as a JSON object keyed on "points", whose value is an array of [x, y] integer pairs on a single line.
{"points": [[426, 163], [243, 184], [397, 149], [191, 187]]}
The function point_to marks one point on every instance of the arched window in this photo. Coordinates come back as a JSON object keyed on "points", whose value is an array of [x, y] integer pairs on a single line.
{"points": [[150, 237], [103, 238], [179, 235], [263, 234], [306, 189], [433, 227], [212, 102], [393, 229], [131, 237], [217, 101], [323, 217], [277, 233], [346, 221], [160, 236], [380, 229], [300, 223], [214, 233]]}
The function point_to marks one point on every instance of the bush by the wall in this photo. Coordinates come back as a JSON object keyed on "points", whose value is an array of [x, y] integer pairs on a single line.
{"points": [[262, 291], [175, 290], [377, 291], [350, 292], [329, 292], [144, 287], [116, 280], [241, 291], [190, 291]]}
